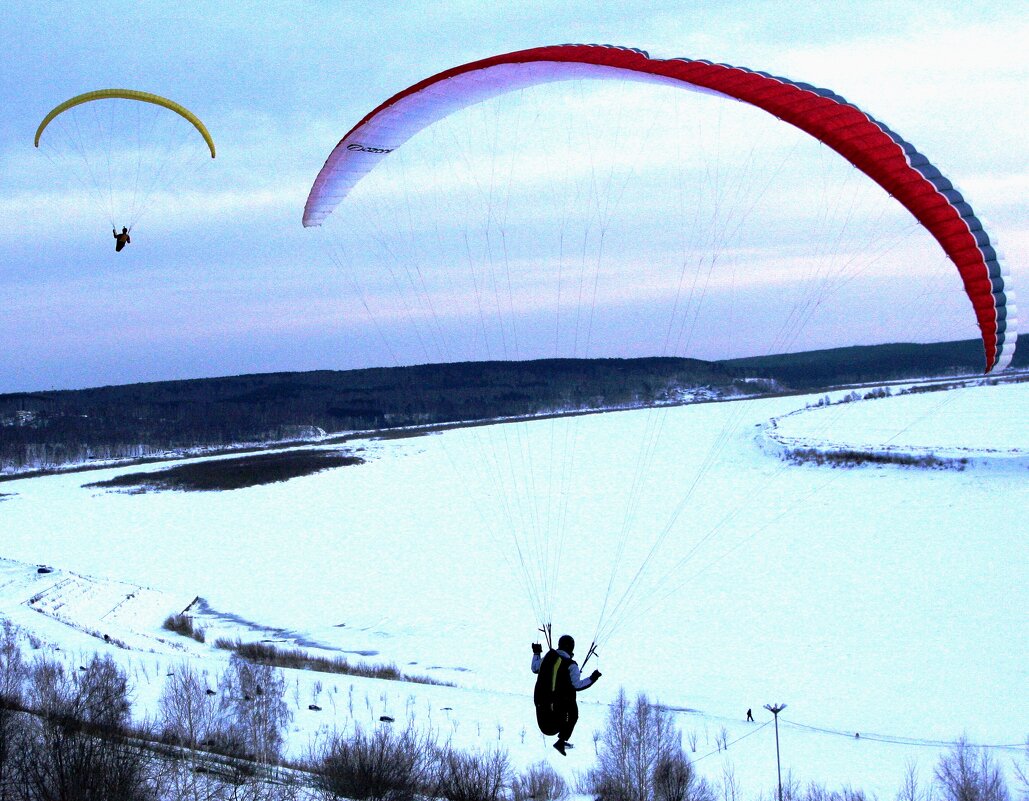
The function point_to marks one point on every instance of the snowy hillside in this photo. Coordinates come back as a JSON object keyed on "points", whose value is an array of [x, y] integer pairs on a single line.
{"points": [[885, 601]]}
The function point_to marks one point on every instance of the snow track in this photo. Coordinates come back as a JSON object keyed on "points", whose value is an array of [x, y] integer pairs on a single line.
{"points": [[129, 614]]}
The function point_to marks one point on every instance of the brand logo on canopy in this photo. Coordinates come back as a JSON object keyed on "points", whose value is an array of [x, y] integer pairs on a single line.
{"points": [[366, 149]]}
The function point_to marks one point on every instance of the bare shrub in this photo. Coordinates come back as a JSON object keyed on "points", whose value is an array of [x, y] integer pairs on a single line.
{"points": [[846, 458], [98, 696], [183, 624], [192, 780], [675, 779], [12, 666], [12, 737], [539, 783], [791, 790], [294, 658], [818, 792], [48, 686], [74, 747], [102, 694], [637, 739], [470, 776], [968, 773], [12, 678], [384, 766]]}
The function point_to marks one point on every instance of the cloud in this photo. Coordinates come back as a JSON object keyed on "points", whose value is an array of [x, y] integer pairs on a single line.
{"points": [[222, 277]]}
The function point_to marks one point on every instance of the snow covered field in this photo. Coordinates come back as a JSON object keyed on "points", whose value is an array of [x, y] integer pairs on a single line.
{"points": [[874, 600], [978, 422]]}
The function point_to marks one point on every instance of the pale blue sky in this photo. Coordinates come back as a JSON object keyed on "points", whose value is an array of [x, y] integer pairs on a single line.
{"points": [[228, 282]]}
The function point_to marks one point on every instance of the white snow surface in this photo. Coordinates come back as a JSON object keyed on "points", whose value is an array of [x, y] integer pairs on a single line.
{"points": [[956, 423], [885, 601]]}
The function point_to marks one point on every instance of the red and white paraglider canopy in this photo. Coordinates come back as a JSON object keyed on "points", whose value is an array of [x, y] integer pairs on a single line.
{"points": [[865, 142]]}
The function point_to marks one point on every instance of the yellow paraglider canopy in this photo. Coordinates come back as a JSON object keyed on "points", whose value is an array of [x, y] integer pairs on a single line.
{"points": [[128, 94]]}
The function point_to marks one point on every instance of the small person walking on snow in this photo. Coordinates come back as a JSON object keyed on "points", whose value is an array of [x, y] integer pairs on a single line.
{"points": [[750, 716]]}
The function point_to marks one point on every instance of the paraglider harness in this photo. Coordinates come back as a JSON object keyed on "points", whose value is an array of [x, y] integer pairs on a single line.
{"points": [[554, 695], [122, 239]]}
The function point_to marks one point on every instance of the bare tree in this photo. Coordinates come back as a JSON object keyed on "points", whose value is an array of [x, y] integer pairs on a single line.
{"points": [[101, 695], [640, 746], [911, 789], [1022, 772], [74, 746], [189, 711], [12, 679], [675, 779], [12, 666], [968, 773], [730, 784], [254, 697], [191, 717], [49, 689]]}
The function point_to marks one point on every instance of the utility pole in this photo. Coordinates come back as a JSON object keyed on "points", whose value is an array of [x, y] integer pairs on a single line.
{"points": [[775, 710]]}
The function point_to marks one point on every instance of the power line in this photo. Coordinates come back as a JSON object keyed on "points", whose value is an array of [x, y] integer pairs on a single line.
{"points": [[732, 742], [898, 740], [889, 739]]}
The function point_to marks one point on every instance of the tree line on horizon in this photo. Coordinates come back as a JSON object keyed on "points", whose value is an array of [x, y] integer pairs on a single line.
{"points": [[47, 430]]}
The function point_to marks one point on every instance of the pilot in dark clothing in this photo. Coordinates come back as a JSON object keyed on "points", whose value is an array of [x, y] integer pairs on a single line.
{"points": [[557, 682], [121, 240]]}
